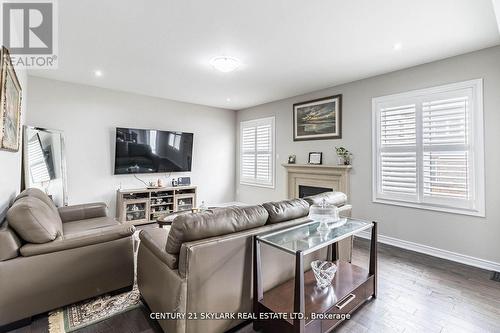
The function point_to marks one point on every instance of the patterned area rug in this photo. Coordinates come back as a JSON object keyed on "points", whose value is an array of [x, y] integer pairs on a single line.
{"points": [[79, 315]]}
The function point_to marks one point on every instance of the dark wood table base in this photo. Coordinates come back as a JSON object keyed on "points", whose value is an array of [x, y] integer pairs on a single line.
{"points": [[308, 308]]}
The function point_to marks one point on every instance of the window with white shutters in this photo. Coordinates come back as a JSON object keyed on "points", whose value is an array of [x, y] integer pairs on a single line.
{"points": [[257, 152], [428, 148]]}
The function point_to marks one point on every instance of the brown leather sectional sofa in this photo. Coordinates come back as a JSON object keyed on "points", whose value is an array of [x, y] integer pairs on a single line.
{"points": [[204, 264], [51, 257]]}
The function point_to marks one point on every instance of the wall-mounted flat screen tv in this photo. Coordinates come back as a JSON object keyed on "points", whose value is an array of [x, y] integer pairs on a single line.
{"points": [[152, 151]]}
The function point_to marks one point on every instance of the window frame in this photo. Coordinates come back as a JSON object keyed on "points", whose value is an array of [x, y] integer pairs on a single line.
{"points": [[257, 122], [476, 146]]}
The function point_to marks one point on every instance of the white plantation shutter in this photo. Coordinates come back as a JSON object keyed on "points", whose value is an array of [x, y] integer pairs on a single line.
{"points": [[446, 135], [446, 175], [398, 146], [38, 167], [248, 156], [257, 152], [399, 173], [428, 148]]}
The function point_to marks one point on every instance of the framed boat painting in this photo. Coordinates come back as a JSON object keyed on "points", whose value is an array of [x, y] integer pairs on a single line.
{"points": [[10, 104], [318, 119]]}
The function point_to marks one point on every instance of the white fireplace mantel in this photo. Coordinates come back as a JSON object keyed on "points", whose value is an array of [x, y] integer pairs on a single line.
{"points": [[324, 175]]}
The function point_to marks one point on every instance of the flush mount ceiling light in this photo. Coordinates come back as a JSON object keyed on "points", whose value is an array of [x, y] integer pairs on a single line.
{"points": [[225, 64], [98, 73], [397, 46]]}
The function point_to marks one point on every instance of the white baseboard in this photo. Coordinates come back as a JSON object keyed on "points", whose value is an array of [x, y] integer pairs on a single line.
{"points": [[432, 251]]}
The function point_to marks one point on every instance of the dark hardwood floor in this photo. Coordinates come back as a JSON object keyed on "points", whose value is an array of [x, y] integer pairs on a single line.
{"points": [[417, 293]]}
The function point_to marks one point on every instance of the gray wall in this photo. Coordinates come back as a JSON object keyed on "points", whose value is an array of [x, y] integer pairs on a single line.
{"points": [[10, 162], [477, 237], [88, 116]]}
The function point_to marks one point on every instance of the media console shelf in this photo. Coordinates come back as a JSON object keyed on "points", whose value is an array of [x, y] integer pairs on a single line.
{"points": [[146, 205]]}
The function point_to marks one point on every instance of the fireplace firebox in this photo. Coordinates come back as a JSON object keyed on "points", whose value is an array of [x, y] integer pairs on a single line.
{"points": [[305, 191]]}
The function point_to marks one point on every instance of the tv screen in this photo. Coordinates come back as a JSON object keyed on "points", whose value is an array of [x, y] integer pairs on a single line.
{"points": [[150, 151]]}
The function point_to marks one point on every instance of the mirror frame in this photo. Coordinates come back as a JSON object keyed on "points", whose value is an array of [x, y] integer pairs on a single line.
{"points": [[63, 158]]}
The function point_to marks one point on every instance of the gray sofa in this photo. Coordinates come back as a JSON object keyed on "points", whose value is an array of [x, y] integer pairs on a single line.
{"points": [[204, 263], [51, 257]]}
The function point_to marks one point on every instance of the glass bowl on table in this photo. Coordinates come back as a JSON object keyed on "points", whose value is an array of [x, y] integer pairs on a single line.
{"points": [[324, 272]]}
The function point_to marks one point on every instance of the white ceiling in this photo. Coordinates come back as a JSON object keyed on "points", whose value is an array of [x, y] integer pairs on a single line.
{"points": [[288, 47]]}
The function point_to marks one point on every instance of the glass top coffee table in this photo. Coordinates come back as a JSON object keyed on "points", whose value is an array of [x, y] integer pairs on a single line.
{"points": [[307, 238], [309, 308]]}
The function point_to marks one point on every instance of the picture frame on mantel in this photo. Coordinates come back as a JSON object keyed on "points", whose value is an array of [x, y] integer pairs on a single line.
{"points": [[10, 104], [318, 119], [315, 158]]}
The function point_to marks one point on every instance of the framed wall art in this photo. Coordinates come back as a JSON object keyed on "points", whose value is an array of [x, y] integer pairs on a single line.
{"points": [[10, 104], [318, 119]]}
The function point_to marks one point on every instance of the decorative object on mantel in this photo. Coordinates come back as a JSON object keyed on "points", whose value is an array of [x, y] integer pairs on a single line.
{"points": [[10, 104], [315, 158], [318, 119], [345, 156], [292, 159]]}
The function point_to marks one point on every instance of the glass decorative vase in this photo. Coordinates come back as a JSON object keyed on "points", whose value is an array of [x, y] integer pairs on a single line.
{"points": [[324, 272]]}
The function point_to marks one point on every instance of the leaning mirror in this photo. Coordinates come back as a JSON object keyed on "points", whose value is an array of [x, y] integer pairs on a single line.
{"points": [[44, 162]]}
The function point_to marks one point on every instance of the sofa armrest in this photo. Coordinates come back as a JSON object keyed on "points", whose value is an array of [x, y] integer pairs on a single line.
{"points": [[83, 211], [91, 237], [155, 240], [163, 289], [345, 210], [9, 243]]}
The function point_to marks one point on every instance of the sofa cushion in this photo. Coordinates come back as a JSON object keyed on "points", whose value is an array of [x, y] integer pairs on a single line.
{"points": [[34, 220], [75, 227], [37, 193], [332, 198], [211, 223], [9, 243], [286, 210]]}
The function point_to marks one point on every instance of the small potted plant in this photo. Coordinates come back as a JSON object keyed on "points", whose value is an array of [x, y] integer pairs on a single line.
{"points": [[345, 156]]}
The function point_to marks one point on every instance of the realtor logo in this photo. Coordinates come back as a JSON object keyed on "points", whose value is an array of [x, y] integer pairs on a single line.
{"points": [[29, 31]]}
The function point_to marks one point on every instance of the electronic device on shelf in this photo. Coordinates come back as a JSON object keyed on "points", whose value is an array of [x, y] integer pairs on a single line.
{"points": [[183, 181], [152, 151]]}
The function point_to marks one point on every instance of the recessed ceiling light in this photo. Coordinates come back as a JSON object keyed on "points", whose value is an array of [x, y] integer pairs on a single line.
{"points": [[228, 99], [225, 64], [397, 47], [98, 73]]}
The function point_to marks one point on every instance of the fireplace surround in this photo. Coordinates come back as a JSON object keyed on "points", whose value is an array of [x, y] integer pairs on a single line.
{"points": [[322, 177]]}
